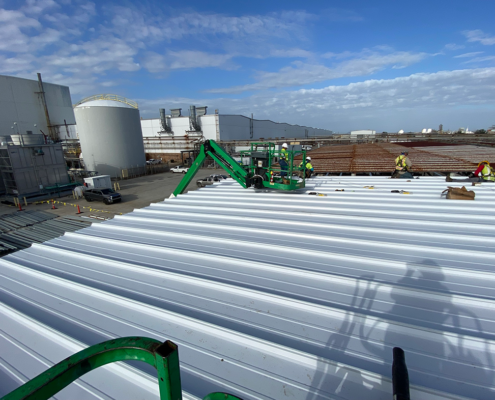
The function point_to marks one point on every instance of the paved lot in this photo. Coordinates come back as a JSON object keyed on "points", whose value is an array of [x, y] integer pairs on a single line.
{"points": [[136, 193]]}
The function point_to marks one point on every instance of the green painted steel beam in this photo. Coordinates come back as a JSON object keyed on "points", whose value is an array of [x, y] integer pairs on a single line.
{"points": [[163, 356], [241, 180], [220, 396], [192, 171]]}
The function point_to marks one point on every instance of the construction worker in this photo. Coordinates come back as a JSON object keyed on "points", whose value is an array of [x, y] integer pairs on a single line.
{"points": [[284, 158], [484, 173], [307, 168], [403, 166]]}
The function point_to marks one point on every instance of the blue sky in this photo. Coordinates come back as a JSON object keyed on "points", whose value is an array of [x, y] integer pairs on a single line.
{"points": [[340, 65]]}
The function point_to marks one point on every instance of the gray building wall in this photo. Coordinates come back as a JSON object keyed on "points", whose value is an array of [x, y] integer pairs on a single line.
{"points": [[20, 102]]}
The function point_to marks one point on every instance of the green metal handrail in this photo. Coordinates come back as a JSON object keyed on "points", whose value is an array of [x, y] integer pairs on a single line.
{"points": [[163, 356]]}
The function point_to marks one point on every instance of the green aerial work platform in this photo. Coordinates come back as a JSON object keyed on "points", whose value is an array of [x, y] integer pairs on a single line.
{"points": [[262, 172]]}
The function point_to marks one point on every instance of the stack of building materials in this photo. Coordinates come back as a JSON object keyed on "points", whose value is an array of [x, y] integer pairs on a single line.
{"points": [[20, 229], [269, 295]]}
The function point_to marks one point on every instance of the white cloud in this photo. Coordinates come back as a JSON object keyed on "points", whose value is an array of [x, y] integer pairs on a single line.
{"points": [[300, 73], [454, 46], [97, 56], [37, 7], [479, 36], [291, 53], [13, 25], [480, 59], [399, 102], [152, 24], [186, 59], [465, 55]]}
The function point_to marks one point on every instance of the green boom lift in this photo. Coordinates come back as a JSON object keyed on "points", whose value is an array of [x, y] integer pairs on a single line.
{"points": [[261, 172]]}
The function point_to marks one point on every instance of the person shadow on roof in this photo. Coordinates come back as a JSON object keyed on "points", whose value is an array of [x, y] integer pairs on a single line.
{"points": [[434, 331], [335, 380], [424, 320]]}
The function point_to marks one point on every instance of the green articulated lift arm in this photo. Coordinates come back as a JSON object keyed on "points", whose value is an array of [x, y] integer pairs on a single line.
{"points": [[210, 148], [258, 174], [163, 356]]}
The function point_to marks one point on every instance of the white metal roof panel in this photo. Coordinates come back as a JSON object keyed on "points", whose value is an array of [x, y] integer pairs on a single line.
{"points": [[279, 295]]}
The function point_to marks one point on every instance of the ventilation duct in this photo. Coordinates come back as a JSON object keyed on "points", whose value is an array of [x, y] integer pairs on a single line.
{"points": [[200, 111], [175, 112], [163, 120], [193, 121]]}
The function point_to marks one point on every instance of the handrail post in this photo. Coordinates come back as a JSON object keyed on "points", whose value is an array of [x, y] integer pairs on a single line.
{"points": [[167, 366]]}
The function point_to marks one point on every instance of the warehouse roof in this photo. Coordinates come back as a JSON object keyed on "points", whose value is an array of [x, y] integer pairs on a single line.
{"points": [[270, 295], [380, 157]]}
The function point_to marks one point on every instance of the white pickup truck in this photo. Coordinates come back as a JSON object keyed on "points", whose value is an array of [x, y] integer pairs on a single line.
{"points": [[179, 168]]}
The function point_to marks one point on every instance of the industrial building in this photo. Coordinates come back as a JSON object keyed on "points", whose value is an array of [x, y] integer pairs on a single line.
{"points": [[34, 107], [109, 130], [29, 166], [268, 295], [33, 115], [168, 136]]}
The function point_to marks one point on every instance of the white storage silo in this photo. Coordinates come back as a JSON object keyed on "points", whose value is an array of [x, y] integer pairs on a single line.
{"points": [[109, 129]]}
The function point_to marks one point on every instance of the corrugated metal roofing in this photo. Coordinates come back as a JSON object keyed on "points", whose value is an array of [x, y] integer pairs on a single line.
{"points": [[271, 295], [380, 157], [20, 229]]}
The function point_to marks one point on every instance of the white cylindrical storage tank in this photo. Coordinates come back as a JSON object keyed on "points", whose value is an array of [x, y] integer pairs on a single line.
{"points": [[109, 129]]}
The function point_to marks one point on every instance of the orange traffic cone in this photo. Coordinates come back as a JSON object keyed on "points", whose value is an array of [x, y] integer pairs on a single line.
{"points": [[53, 205], [20, 208], [78, 210]]}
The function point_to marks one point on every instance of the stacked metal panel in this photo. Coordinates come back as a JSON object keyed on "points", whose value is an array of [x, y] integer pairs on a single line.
{"points": [[20, 229], [271, 295]]}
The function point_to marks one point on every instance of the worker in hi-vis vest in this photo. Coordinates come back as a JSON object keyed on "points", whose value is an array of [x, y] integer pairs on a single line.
{"points": [[307, 168], [484, 173], [403, 166], [284, 158]]}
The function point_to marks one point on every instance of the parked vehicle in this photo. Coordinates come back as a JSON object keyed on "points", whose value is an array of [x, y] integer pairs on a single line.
{"points": [[179, 168], [108, 196], [152, 161], [205, 181], [216, 178], [98, 182]]}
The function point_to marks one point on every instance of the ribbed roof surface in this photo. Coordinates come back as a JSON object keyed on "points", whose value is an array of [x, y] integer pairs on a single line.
{"points": [[380, 157], [271, 295]]}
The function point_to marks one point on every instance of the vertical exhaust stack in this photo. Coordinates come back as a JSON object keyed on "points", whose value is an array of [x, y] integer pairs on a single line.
{"points": [[193, 122], [163, 120]]}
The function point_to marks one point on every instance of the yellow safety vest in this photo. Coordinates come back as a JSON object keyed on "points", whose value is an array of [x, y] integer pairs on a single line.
{"points": [[401, 162], [487, 173], [283, 155], [308, 166]]}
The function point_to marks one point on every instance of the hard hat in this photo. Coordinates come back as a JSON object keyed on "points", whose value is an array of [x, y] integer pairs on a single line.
{"points": [[285, 145], [308, 158]]}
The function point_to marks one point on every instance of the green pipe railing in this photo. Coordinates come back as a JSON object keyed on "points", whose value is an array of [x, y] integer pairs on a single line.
{"points": [[163, 356]]}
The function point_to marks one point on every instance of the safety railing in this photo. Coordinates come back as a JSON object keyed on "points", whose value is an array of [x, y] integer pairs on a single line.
{"points": [[163, 356], [107, 96]]}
